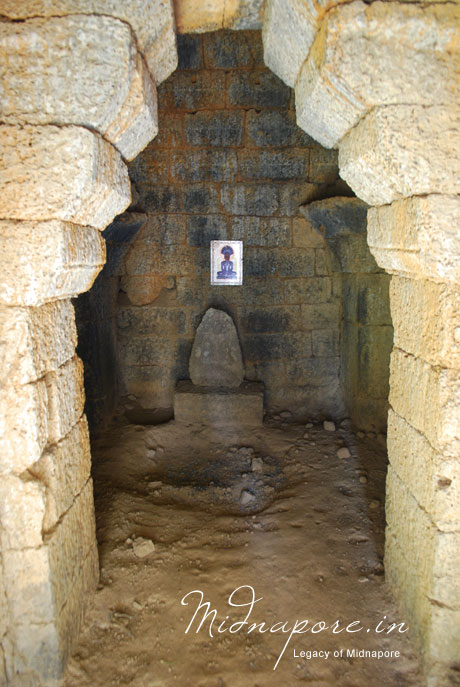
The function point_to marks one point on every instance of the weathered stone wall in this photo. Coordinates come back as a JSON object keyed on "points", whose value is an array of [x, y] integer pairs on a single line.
{"points": [[366, 332], [78, 100], [379, 81], [230, 163]]}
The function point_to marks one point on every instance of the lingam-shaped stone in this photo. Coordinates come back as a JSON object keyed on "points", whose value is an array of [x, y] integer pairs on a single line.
{"points": [[216, 359]]}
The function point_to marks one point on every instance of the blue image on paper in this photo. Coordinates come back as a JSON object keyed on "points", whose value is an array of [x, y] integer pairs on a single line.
{"points": [[226, 266]]}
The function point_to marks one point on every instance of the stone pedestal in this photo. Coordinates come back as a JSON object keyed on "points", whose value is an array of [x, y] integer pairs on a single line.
{"points": [[240, 407]]}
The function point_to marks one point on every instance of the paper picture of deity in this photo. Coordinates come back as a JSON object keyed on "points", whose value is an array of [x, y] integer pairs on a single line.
{"points": [[227, 263]]}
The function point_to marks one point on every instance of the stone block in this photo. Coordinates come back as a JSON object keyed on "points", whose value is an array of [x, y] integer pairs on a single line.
{"points": [[374, 349], [257, 90], [61, 260], [153, 385], [353, 67], [323, 167], [189, 51], [171, 129], [64, 469], [434, 558], [226, 408], [149, 258], [146, 350], [203, 229], [204, 92], [66, 398], [322, 316], [257, 231], [267, 320], [22, 511], [432, 478], [198, 16], [204, 165], [314, 372], [244, 14], [35, 341], [417, 236], [35, 650], [313, 290], [221, 51], [23, 425], [250, 199], [201, 198], [261, 291], [161, 199], [426, 317], [70, 543], [84, 176], [372, 299], [428, 398], [323, 262], [150, 319], [402, 150], [260, 262], [293, 194], [70, 617], [325, 343], [275, 128], [150, 167], [152, 23], [214, 128], [109, 76], [273, 165], [288, 32], [267, 347], [304, 234], [142, 289]]}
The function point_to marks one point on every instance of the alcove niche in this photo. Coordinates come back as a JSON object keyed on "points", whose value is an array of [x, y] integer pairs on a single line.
{"points": [[313, 321], [230, 162]]}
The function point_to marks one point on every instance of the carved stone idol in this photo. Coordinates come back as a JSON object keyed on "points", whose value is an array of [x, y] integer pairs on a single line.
{"points": [[216, 359]]}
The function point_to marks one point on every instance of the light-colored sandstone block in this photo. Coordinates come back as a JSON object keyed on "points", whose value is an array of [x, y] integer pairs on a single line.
{"points": [[3, 605], [28, 585], [23, 425], [402, 150], [47, 260], [34, 341], [66, 398], [39, 580], [152, 22], [243, 14], [110, 90], [71, 614], [432, 556], [69, 545], [288, 32], [433, 479], [67, 173], [36, 655], [417, 236], [199, 15], [137, 123], [366, 55], [64, 468], [22, 510], [426, 318], [428, 397]]}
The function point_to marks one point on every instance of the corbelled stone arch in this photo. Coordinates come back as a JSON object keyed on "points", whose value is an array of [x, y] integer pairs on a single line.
{"points": [[378, 82]]}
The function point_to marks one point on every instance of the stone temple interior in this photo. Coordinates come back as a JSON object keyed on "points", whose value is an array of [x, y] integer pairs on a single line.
{"points": [[241, 471]]}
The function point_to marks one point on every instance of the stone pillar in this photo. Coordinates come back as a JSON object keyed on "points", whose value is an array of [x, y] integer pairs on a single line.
{"points": [[394, 152], [379, 82], [78, 99]]}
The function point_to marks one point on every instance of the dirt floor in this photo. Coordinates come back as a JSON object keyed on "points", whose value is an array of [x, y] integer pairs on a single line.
{"points": [[273, 513]]}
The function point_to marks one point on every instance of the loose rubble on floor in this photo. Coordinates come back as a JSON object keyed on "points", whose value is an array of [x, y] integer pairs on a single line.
{"points": [[295, 512]]}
